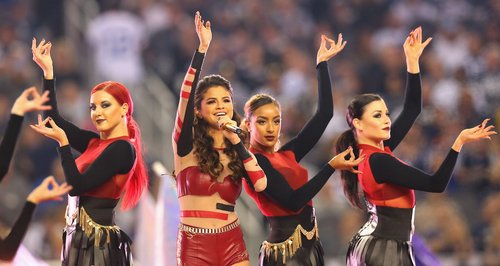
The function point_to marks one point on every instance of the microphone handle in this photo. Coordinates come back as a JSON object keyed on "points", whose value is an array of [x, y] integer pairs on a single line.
{"points": [[233, 129]]}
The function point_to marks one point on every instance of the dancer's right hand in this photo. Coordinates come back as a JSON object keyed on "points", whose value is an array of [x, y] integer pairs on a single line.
{"points": [[339, 162], [48, 190], [41, 56], [30, 100], [54, 131], [204, 32]]}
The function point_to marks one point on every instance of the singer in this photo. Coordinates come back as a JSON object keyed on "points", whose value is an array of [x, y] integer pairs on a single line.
{"points": [[210, 162]]}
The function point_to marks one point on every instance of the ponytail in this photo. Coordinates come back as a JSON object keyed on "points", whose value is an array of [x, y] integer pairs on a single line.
{"points": [[349, 179], [355, 110], [139, 179]]}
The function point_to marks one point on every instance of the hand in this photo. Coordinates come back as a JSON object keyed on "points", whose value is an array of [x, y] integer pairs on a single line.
{"points": [[41, 56], [474, 134], [231, 136], [54, 132], [340, 163], [413, 48], [324, 54], [44, 192], [204, 32], [30, 100]]}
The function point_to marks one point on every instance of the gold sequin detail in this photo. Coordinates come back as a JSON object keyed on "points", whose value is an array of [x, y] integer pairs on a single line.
{"points": [[289, 247]]}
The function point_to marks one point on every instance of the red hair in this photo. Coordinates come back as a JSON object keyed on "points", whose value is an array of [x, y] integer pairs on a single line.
{"points": [[139, 179]]}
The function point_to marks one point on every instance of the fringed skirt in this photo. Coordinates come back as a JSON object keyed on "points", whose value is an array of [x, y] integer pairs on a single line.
{"points": [[293, 241], [304, 256], [89, 243]]}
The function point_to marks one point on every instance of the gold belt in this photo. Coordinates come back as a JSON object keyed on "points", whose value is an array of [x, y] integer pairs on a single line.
{"points": [[88, 226], [289, 247], [198, 230]]}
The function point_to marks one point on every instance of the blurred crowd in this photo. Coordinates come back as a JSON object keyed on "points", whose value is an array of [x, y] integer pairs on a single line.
{"points": [[270, 46]]}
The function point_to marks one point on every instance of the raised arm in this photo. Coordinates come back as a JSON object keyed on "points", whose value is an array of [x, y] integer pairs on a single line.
{"points": [[77, 137], [9, 245], [388, 169], [412, 107], [314, 128], [47, 190], [182, 137], [29, 100]]}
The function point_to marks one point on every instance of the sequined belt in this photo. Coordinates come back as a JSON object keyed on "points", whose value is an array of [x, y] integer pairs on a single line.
{"points": [[289, 247], [199, 230], [88, 226]]}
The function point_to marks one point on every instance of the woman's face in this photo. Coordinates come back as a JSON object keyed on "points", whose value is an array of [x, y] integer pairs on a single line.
{"points": [[375, 123], [105, 111], [216, 102], [265, 127]]}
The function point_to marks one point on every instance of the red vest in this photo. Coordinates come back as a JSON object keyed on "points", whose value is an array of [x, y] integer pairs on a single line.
{"points": [[113, 188], [296, 176], [384, 194]]}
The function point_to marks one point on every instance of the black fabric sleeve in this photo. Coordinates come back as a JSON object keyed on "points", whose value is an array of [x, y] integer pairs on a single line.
{"points": [[305, 140], [117, 158], [242, 151], [9, 143], [185, 142], [78, 138], [280, 191], [9, 245], [411, 109], [388, 169]]}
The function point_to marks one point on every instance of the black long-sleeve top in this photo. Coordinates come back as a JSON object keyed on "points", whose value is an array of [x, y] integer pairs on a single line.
{"points": [[116, 158], [10, 244], [9, 143], [388, 181], [388, 169]]}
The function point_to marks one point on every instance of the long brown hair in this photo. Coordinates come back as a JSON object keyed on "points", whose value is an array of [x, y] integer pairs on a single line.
{"points": [[348, 138], [139, 179], [207, 156]]}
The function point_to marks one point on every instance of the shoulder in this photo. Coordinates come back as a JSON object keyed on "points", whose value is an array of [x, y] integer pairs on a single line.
{"points": [[380, 160], [121, 147]]}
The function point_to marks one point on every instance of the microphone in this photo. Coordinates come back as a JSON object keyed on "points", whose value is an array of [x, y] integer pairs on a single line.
{"points": [[232, 128]]}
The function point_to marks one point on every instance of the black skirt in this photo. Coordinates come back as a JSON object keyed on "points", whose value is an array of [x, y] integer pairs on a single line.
{"points": [[82, 251], [94, 239], [385, 240]]}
